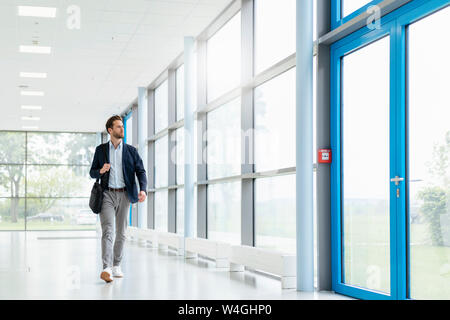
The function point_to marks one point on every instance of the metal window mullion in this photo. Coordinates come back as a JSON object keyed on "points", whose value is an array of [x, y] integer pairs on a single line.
{"points": [[135, 123], [151, 160], [247, 123], [171, 194], [202, 219], [134, 143], [143, 145], [304, 138]]}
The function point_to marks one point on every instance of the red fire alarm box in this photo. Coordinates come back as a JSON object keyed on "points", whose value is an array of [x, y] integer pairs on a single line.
{"points": [[324, 156]]}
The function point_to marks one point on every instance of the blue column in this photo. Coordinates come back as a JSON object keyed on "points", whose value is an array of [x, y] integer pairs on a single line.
{"points": [[143, 148], [189, 92], [304, 145]]}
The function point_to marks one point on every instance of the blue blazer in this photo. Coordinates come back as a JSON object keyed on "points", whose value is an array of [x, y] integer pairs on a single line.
{"points": [[131, 164]]}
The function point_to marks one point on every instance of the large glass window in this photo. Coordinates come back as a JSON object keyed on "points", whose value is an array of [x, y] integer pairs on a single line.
{"points": [[13, 180], [180, 92], [161, 107], [275, 24], [429, 154], [365, 180], [58, 181], [12, 147], [61, 148], [45, 182], [224, 140], [224, 212], [12, 213], [129, 130], [161, 162], [161, 211], [180, 210], [275, 123], [350, 6], [224, 59], [180, 155], [275, 216]]}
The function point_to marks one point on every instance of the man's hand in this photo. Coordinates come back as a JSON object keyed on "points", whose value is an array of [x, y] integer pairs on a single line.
{"points": [[142, 195], [105, 168]]}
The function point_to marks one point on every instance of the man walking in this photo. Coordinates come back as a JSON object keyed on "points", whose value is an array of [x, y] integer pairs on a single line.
{"points": [[117, 164]]}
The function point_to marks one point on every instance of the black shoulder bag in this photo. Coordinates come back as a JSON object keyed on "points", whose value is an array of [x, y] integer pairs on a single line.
{"points": [[96, 200]]}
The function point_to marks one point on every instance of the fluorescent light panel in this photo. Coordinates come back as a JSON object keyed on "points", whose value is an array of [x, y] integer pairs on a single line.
{"points": [[31, 118], [32, 93], [35, 49], [38, 75], [32, 107], [30, 127], [42, 12]]}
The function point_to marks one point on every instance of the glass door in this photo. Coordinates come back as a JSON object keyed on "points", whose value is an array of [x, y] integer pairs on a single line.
{"points": [[428, 156], [390, 131], [364, 197], [365, 167]]}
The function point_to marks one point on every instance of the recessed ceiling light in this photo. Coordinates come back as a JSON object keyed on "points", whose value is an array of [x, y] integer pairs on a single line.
{"points": [[38, 75], [32, 107], [31, 118], [32, 93], [35, 49], [42, 12], [30, 127]]}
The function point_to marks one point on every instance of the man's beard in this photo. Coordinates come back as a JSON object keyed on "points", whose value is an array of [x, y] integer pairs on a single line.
{"points": [[118, 136]]}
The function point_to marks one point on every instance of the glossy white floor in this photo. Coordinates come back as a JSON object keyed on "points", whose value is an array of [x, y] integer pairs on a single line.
{"points": [[67, 265]]}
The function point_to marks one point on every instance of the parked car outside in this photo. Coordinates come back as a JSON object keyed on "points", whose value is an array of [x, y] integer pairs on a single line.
{"points": [[44, 216], [84, 216]]}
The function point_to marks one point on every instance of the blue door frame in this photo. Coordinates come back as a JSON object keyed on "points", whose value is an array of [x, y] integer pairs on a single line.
{"points": [[125, 119], [393, 25]]}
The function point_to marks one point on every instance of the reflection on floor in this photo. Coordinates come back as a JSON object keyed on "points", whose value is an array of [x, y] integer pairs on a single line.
{"points": [[67, 265]]}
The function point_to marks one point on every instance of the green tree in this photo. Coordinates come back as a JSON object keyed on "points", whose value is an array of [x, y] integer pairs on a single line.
{"points": [[435, 197], [12, 150], [434, 204], [438, 168]]}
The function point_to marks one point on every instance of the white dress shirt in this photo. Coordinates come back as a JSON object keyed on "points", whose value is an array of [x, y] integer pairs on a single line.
{"points": [[115, 159]]}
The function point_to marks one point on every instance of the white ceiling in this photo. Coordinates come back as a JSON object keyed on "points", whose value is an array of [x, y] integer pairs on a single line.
{"points": [[93, 72]]}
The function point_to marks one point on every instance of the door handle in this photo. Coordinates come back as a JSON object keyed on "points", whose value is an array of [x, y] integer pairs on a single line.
{"points": [[397, 179]]}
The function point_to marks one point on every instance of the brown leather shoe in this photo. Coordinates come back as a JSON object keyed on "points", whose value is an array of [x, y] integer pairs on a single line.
{"points": [[106, 276]]}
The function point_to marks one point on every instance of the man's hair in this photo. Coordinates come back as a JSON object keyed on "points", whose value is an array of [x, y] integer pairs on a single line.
{"points": [[109, 123]]}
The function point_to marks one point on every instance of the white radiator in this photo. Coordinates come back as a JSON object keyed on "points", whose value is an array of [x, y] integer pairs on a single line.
{"points": [[271, 261], [173, 240], [219, 251], [133, 234]]}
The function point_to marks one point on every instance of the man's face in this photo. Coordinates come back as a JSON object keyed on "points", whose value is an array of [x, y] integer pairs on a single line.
{"points": [[117, 130]]}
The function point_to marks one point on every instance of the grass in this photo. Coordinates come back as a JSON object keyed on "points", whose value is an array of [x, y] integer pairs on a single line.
{"points": [[367, 262], [39, 225]]}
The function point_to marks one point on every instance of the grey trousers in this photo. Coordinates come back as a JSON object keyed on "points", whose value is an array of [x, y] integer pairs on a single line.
{"points": [[115, 208]]}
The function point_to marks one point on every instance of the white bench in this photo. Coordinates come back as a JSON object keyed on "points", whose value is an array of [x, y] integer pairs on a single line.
{"points": [[173, 240], [271, 261], [219, 251]]}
